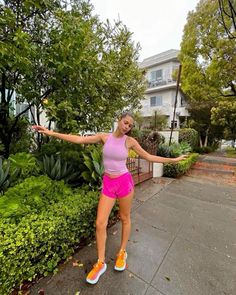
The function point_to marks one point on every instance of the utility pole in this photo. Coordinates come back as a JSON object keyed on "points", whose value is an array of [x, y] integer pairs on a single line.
{"points": [[175, 104]]}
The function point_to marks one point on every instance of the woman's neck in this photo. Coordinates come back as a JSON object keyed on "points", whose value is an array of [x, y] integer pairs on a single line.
{"points": [[117, 133]]}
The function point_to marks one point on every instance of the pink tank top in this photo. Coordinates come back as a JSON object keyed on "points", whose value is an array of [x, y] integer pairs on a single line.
{"points": [[115, 155]]}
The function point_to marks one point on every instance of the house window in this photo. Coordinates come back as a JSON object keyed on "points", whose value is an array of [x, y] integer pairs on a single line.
{"points": [[156, 101], [173, 124], [156, 75]]}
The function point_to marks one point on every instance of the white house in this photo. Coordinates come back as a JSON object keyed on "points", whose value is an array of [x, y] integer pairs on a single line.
{"points": [[161, 88], [30, 114]]}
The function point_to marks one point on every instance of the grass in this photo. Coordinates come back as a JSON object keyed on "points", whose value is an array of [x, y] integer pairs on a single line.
{"points": [[231, 152]]}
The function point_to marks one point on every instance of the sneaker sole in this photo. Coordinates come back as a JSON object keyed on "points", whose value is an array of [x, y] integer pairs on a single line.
{"points": [[121, 268], [97, 278]]}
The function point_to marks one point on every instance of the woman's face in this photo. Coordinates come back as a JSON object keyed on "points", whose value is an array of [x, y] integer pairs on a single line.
{"points": [[125, 124]]}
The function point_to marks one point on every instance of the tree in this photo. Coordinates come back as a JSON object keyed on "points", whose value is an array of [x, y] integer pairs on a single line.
{"points": [[228, 16], [225, 115], [208, 58], [64, 60], [207, 55]]}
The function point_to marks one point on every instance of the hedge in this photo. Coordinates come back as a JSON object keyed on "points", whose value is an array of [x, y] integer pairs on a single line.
{"points": [[39, 241], [177, 169]]}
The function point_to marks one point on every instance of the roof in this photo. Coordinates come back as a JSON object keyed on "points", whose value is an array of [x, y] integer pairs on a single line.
{"points": [[160, 58]]}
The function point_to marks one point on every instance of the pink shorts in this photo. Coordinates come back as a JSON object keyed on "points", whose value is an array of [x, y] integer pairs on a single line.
{"points": [[118, 187]]}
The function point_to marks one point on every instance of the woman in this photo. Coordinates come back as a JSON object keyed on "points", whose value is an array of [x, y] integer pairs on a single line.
{"points": [[117, 184]]}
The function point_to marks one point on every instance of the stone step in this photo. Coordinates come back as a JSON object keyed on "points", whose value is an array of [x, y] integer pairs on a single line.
{"points": [[212, 171], [213, 166], [217, 160]]}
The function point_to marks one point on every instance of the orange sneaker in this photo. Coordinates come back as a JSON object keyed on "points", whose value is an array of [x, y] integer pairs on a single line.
{"points": [[121, 260], [98, 269]]}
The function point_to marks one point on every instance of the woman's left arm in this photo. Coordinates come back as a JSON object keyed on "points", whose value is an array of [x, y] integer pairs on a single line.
{"points": [[134, 145]]}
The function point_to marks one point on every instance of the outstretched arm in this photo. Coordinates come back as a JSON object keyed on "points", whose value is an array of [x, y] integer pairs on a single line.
{"points": [[68, 137], [151, 158]]}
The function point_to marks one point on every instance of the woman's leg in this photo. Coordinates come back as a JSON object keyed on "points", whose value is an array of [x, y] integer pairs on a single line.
{"points": [[105, 206], [125, 204]]}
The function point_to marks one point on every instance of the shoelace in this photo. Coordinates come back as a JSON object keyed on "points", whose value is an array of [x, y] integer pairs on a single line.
{"points": [[121, 255], [96, 267]]}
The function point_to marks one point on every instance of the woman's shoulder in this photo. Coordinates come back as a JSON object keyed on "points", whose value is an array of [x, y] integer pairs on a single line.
{"points": [[104, 136], [130, 141]]}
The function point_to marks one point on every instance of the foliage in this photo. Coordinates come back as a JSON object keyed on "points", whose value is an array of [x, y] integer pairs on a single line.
{"points": [[225, 115], [36, 244], [207, 55], [231, 152], [4, 176], [66, 62], [208, 58], [57, 169], [205, 149], [228, 15], [22, 165], [189, 135], [33, 195], [163, 150], [180, 168], [177, 149], [132, 154], [22, 137], [71, 153], [174, 150], [158, 121], [94, 167], [150, 139], [136, 133]]}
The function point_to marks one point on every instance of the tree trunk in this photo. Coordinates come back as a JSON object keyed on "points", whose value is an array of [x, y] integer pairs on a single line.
{"points": [[206, 138]]}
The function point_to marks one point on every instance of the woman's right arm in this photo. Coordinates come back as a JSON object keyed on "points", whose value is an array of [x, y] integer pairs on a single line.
{"points": [[68, 137]]}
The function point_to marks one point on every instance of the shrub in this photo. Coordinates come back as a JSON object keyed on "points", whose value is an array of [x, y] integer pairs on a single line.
{"points": [[93, 170], [163, 150], [4, 175], [177, 149], [33, 195], [36, 244], [22, 138], [190, 136], [204, 149], [22, 165], [177, 169], [57, 169]]}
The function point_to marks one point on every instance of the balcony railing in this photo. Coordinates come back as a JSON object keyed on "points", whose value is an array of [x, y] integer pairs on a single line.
{"points": [[152, 84]]}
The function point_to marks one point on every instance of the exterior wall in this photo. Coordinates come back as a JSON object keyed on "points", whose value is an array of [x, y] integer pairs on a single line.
{"points": [[19, 107], [166, 134], [163, 86]]}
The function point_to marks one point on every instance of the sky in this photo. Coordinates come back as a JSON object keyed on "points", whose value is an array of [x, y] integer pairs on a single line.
{"points": [[156, 24]]}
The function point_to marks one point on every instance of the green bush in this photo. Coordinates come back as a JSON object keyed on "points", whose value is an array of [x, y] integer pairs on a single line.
{"points": [[190, 136], [23, 137], [57, 169], [174, 150], [163, 150], [36, 244], [93, 169], [177, 169], [22, 165], [177, 149], [205, 149], [32, 195], [4, 175]]}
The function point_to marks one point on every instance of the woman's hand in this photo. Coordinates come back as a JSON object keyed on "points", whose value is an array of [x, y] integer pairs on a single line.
{"points": [[43, 130]]}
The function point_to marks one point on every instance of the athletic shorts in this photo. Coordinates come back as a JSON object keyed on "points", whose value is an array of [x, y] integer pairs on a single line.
{"points": [[117, 187]]}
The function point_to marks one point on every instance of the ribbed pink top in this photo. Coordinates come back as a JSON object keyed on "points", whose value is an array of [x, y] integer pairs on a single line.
{"points": [[115, 155]]}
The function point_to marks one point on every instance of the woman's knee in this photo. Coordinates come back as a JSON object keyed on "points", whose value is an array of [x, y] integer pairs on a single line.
{"points": [[125, 218], [101, 224]]}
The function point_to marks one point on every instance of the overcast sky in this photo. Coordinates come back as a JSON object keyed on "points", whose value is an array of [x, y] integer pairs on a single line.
{"points": [[156, 24]]}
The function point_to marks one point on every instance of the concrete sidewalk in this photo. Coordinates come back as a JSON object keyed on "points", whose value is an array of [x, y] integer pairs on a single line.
{"points": [[183, 242]]}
